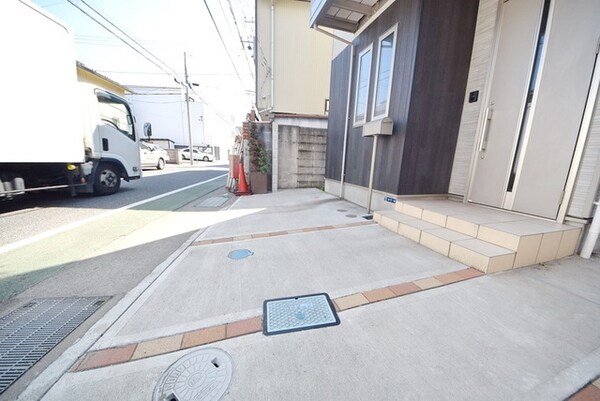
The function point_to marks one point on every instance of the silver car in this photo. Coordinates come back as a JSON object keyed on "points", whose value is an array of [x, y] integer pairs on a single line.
{"points": [[153, 156], [198, 155]]}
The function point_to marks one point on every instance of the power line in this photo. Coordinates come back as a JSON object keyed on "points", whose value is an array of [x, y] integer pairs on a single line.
{"points": [[223, 42], [240, 37], [171, 72], [164, 67]]}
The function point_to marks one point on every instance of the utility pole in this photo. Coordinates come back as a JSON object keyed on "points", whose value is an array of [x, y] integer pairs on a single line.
{"points": [[187, 106]]}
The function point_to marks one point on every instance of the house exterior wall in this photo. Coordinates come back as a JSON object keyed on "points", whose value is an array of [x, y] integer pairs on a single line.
{"points": [[432, 54], [168, 116], [585, 189], [478, 75], [88, 77], [301, 67]]}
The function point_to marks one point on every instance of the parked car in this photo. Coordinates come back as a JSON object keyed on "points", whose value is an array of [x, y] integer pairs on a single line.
{"points": [[198, 155], [153, 156]]}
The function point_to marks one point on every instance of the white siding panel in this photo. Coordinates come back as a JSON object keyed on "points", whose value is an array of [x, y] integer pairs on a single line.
{"points": [[586, 185], [478, 74]]}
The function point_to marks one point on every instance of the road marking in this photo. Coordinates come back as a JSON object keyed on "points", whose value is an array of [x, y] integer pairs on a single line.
{"points": [[70, 226]]}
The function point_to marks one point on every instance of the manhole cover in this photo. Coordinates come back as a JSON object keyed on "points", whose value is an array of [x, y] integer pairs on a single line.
{"points": [[342, 210], [240, 254], [28, 333], [202, 375], [213, 202], [351, 215], [305, 312]]}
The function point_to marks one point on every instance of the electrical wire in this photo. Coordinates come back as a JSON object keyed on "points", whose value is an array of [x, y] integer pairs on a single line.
{"points": [[224, 45], [168, 70]]}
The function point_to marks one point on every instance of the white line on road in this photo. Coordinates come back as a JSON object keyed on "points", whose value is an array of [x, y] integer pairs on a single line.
{"points": [[58, 230]]}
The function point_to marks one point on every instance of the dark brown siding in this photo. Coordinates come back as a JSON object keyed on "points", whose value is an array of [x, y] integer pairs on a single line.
{"points": [[338, 89], [445, 42], [433, 49], [387, 169]]}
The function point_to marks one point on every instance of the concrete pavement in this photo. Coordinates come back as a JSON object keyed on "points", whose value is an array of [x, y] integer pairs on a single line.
{"points": [[414, 325]]}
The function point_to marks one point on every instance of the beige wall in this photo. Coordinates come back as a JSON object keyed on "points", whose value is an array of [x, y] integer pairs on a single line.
{"points": [[302, 65], [86, 76]]}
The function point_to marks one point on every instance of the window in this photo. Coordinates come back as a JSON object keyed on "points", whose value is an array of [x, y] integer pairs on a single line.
{"points": [[362, 87], [115, 112], [385, 66]]}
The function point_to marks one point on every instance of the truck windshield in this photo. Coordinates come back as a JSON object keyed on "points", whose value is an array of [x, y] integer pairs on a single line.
{"points": [[115, 112]]}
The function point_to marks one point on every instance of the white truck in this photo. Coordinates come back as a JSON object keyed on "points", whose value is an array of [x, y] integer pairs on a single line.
{"points": [[56, 132]]}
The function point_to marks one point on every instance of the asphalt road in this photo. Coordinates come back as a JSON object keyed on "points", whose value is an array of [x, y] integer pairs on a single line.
{"points": [[52, 245], [35, 213]]}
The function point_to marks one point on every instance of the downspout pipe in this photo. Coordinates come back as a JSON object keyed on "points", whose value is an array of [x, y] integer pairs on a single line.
{"points": [[592, 235], [347, 122], [272, 54]]}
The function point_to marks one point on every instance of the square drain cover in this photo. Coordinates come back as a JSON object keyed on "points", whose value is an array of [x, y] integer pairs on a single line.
{"points": [[30, 332], [304, 312]]}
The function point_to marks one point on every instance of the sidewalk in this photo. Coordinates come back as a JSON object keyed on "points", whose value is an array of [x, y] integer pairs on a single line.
{"points": [[414, 325]]}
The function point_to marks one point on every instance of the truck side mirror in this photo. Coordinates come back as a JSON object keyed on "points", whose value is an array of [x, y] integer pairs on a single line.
{"points": [[148, 129]]}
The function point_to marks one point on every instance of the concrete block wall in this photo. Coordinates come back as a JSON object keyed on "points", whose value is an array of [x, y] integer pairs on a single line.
{"points": [[301, 157]]}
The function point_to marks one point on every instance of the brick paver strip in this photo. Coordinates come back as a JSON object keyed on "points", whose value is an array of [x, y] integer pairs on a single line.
{"points": [[428, 283], [404, 288], [263, 235], [112, 356], [159, 346], [350, 301], [242, 327], [449, 278], [379, 294], [278, 233], [203, 336], [469, 273], [222, 240], [105, 357], [588, 393]]}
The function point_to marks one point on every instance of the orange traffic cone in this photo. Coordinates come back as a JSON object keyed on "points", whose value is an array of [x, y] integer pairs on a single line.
{"points": [[242, 184]]}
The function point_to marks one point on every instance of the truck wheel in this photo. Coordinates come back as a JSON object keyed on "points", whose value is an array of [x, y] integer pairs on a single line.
{"points": [[107, 180], [161, 164], [205, 158]]}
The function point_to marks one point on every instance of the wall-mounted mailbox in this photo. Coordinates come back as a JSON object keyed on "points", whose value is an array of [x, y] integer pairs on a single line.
{"points": [[378, 127]]}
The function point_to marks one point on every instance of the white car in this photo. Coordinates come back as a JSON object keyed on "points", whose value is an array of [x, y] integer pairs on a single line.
{"points": [[153, 156], [198, 155]]}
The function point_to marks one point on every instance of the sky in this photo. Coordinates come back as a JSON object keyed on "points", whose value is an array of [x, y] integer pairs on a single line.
{"points": [[168, 28]]}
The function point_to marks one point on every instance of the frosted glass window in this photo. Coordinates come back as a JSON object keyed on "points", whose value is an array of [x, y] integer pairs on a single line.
{"points": [[362, 87], [385, 65]]}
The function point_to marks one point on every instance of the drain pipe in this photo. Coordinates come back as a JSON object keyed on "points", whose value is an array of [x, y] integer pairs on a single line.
{"points": [[372, 173], [592, 235], [347, 122], [375, 129]]}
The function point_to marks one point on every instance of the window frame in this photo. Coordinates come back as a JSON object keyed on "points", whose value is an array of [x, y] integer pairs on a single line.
{"points": [[111, 98], [355, 122], [393, 30]]}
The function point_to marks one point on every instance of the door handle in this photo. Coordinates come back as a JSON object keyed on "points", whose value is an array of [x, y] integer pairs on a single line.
{"points": [[487, 117]]}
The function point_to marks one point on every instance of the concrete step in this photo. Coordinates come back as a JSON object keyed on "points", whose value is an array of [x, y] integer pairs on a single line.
{"points": [[487, 239]]}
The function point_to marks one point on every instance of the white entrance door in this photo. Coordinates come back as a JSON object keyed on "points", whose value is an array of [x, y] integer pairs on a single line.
{"points": [[543, 64]]}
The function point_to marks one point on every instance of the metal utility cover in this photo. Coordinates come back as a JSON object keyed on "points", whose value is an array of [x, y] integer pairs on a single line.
{"points": [[284, 315], [30, 332], [213, 202], [202, 375]]}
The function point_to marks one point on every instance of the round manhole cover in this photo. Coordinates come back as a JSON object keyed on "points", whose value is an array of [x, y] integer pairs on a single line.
{"points": [[351, 215], [202, 375], [240, 254], [342, 210]]}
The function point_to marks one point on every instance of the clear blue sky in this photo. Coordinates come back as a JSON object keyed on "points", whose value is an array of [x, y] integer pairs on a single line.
{"points": [[167, 28]]}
